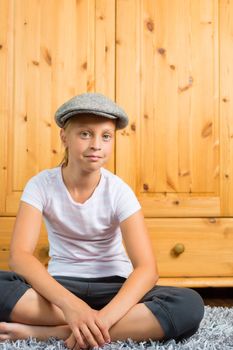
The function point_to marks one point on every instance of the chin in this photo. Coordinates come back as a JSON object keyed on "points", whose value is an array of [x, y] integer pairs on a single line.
{"points": [[94, 166]]}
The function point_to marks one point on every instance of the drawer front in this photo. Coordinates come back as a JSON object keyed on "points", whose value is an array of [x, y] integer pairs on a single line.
{"points": [[183, 247], [192, 247]]}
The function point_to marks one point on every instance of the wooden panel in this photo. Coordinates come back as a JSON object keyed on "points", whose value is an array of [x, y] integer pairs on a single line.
{"points": [[179, 205], [6, 74], [26, 92], [6, 227], [169, 63], [179, 118], [128, 88], [196, 282], [208, 246], [226, 106], [105, 47]]}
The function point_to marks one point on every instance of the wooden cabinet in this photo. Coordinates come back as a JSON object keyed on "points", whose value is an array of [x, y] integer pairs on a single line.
{"points": [[174, 72], [169, 64]]}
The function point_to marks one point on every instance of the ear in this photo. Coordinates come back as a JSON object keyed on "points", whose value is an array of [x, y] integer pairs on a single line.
{"points": [[63, 137]]}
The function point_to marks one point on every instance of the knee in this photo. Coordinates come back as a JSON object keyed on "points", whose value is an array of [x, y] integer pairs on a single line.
{"points": [[192, 309]]}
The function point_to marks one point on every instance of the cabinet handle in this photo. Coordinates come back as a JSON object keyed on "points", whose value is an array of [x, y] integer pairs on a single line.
{"points": [[178, 249]]}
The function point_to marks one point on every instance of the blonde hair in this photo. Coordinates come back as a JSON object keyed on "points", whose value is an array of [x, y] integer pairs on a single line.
{"points": [[65, 159]]}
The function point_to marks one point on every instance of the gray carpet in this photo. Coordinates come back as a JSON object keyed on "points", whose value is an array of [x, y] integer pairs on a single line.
{"points": [[215, 333]]}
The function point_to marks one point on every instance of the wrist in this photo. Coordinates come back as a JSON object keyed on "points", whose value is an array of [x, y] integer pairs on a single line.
{"points": [[105, 315], [68, 302]]}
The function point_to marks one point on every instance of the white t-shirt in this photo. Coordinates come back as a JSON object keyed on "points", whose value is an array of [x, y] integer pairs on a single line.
{"points": [[85, 238]]}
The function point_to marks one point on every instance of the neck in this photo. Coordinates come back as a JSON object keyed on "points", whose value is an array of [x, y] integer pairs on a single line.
{"points": [[79, 180]]}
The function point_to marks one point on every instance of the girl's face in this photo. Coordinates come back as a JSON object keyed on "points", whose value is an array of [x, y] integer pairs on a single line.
{"points": [[89, 140]]}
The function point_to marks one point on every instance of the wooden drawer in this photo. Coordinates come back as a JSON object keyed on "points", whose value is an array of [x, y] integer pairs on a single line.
{"points": [[207, 243], [6, 227], [207, 259]]}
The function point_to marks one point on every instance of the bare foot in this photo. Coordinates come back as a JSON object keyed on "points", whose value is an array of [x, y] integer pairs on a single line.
{"points": [[14, 331]]}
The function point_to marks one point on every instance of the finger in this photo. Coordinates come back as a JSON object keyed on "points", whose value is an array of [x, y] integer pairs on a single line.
{"points": [[103, 329], [97, 332], [79, 338], [71, 341], [85, 341], [88, 335]]}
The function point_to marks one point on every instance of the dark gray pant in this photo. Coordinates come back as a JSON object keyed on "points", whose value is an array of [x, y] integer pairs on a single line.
{"points": [[179, 310]]}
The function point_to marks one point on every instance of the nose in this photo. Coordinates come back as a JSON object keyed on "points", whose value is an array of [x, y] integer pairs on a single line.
{"points": [[96, 148], [96, 144]]}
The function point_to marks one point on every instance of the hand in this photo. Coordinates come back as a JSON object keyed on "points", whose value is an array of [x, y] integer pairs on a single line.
{"points": [[88, 328]]}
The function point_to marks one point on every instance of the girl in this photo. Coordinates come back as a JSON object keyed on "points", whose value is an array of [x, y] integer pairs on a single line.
{"points": [[93, 292]]}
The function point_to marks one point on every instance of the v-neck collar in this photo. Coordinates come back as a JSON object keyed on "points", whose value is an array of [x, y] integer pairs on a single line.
{"points": [[69, 195]]}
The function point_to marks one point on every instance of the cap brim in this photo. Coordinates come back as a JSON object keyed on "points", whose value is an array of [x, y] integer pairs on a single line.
{"points": [[61, 119]]}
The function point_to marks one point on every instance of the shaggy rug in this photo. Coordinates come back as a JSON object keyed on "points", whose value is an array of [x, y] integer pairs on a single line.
{"points": [[215, 333]]}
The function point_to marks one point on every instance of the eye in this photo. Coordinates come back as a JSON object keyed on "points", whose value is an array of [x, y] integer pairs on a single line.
{"points": [[85, 134], [107, 137]]}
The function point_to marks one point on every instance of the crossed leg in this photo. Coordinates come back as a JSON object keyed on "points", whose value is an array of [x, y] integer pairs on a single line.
{"points": [[35, 316]]}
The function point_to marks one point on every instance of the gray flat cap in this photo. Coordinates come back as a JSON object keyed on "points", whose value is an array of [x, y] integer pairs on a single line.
{"points": [[91, 103]]}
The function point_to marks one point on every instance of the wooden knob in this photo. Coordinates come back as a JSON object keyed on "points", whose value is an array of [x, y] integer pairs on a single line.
{"points": [[178, 249], [212, 220]]}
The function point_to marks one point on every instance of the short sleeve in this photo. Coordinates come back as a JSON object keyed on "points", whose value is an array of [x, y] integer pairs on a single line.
{"points": [[126, 203], [33, 194]]}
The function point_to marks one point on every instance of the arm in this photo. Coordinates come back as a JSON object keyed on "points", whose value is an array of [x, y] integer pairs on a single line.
{"points": [[24, 239], [144, 275], [76, 312]]}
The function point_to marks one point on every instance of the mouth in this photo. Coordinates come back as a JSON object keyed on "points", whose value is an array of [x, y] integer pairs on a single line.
{"points": [[93, 157]]}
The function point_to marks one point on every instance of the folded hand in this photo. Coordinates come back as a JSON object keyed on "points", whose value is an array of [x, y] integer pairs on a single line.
{"points": [[89, 328]]}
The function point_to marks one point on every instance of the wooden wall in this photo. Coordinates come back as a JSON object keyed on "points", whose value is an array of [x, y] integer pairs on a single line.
{"points": [[169, 64]]}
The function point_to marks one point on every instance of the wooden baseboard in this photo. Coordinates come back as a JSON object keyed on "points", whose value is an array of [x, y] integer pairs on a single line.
{"points": [[196, 282]]}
